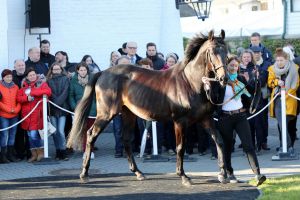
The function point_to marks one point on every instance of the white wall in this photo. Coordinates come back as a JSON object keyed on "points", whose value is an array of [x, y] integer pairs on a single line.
{"points": [[3, 34], [292, 23], [97, 27], [237, 22]]}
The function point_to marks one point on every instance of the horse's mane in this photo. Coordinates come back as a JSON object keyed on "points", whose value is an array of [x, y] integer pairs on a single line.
{"points": [[193, 47], [195, 43]]}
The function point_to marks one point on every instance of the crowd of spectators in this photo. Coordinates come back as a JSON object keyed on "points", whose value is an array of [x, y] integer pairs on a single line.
{"points": [[64, 82]]}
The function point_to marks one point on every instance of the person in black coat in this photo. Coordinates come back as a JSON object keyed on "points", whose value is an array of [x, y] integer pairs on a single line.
{"points": [[233, 116], [46, 57], [151, 53], [21, 140], [59, 83], [34, 56], [261, 120], [255, 40]]}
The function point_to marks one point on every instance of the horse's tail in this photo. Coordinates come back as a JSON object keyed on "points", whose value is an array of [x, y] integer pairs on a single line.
{"points": [[76, 136]]}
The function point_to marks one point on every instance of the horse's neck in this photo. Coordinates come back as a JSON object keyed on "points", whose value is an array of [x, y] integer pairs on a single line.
{"points": [[194, 71]]}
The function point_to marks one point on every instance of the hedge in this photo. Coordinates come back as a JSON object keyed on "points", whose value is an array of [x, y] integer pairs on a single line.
{"points": [[270, 43]]}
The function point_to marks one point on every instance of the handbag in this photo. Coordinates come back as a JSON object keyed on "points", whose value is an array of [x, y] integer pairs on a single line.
{"points": [[51, 129]]}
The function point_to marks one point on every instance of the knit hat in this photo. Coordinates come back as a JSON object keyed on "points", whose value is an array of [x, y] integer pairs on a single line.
{"points": [[5, 73]]}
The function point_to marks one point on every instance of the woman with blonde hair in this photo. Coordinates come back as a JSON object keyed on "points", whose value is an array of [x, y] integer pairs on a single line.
{"points": [[284, 75]]}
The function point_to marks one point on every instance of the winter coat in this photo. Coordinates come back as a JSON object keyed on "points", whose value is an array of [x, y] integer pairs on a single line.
{"points": [[9, 102], [48, 59], [38, 89], [76, 92], [39, 67], [291, 103], [17, 79], [158, 63], [59, 85]]}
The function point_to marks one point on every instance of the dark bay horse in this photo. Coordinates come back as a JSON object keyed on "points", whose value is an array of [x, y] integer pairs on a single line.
{"points": [[176, 94]]}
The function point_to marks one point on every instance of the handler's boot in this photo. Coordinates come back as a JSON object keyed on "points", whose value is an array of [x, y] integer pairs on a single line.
{"points": [[33, 156], [40, 154]]}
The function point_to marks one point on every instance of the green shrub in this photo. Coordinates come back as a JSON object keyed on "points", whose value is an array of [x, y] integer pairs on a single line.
{"points": [[270, 43]]}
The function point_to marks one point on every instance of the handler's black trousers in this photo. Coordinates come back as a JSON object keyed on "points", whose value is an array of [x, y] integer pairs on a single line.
{"points": [[227, 124]]}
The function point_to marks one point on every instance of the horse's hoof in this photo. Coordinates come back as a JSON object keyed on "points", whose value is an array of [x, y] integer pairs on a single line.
{"points": [[187, 182], [84, 179], [223, 179], [140, 177]]}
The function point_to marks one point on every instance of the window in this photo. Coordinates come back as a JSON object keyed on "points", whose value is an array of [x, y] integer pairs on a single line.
{"points": [[254, 8], [295, 6]]}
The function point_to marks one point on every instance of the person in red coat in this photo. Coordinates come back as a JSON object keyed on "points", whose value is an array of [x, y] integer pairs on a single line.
{"points": [[9, 109], [34, 86]]}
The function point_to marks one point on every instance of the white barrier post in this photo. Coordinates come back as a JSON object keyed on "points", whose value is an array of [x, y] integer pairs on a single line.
{"points": [[155, 157], [143, 143], [283, 121], [45, 122], [284, 154], [154, 138]]}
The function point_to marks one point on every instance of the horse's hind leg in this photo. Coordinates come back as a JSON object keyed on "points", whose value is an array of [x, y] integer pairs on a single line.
{"points": [[180, 131], [92, 135], [128, 136]]}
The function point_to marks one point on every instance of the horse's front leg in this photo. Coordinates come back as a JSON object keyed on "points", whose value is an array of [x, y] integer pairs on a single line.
{"points": [[180, 132], [128, 119], [92, 135], [209, 126]]}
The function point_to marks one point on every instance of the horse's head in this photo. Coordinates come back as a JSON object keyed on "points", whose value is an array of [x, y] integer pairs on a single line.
{"points": [[208, 54], [216, 56]]}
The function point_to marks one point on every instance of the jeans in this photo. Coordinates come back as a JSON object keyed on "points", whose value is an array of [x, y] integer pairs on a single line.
{"points": [[59, 136], [35, 140], [7, 137], [117, 126], [238, 122]]}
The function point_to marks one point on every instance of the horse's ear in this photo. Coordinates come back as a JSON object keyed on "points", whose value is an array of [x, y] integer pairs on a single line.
{"points": [[211, 35], [222, 35]]}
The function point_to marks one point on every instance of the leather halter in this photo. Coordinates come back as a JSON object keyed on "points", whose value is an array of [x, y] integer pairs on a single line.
{"points": [[214, 67]]}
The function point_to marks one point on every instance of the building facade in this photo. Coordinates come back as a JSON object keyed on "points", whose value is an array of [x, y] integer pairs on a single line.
{"points": [[92, 27]]}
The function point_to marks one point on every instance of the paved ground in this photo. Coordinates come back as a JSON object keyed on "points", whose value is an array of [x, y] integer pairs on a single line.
{"points": [[125, 187], [203, 170]]}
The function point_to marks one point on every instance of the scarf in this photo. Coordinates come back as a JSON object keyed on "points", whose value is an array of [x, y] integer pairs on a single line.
{"points": [[261, 60], [236, 86], [290, 70], [83, 80], [8, 85]]}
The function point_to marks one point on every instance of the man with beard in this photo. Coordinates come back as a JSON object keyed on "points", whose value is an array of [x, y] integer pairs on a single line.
{"points": [[151, 53], [46, 57]]}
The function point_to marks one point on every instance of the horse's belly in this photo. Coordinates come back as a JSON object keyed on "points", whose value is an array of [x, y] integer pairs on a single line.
{"points": [[150, 114]]}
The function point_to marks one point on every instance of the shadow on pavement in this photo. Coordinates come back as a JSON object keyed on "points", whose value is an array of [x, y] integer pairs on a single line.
{"points": [[125, 187]]}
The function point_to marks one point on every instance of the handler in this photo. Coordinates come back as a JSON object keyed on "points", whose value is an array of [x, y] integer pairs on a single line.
{"points": [[233, 116]]}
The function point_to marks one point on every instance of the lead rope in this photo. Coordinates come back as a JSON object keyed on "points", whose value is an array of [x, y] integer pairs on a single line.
{"points": [[251, 110]]}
